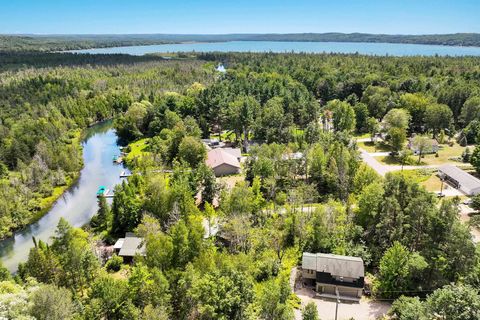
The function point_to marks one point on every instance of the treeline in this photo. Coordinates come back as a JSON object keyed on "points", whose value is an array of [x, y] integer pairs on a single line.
{"points": [[42, 113], [18, 60], [48, 43], [21, 43]]}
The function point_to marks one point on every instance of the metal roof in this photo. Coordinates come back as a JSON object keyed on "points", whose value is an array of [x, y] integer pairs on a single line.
{"points": [[119, 243], [132, 246], [336, 265], [465, 179]]}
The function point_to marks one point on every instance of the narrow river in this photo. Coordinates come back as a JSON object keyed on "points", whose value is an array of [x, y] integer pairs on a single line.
{"points": [[79, 203]]}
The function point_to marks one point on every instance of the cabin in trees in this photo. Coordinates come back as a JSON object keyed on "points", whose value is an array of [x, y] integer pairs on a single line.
{"points": [[460, 179], [129, 247], [224, 161], [334, 275]]}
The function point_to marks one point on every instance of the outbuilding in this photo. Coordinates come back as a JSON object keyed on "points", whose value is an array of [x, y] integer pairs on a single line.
{"points": [[333, 275], [129, 247], [460, 179]]}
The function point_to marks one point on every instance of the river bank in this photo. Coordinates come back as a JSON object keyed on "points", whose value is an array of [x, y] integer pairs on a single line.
{"points": [[78, 203]]}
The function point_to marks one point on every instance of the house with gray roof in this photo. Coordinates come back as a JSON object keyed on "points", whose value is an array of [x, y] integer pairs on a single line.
{"points": [[460, 179], [129, 247], [334, 275]]}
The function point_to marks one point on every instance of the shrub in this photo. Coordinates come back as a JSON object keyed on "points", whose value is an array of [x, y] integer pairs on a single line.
{"points": [[114, 263]]}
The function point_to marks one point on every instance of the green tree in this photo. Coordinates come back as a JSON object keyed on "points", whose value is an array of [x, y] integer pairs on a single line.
{"points": [[421, 144], [192, 151], [408, 308], [222, 295], [272, 300], [397, 137], [475, 158], [310, 312], [343, 115], [455, 302], [438, 117], [373, 127], [470, 110], [361, 117], [396, 118], [52, 303], [398, 271]]}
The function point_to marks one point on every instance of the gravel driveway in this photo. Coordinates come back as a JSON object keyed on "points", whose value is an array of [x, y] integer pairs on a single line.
{"points": [[364, 310]]}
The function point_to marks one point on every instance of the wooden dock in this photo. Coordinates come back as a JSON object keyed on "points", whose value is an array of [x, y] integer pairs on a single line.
{"points": [[124, 174]]}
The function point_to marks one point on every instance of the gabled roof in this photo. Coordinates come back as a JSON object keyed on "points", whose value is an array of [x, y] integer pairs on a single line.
{"points": [[463, 178], [236, 152], [336, 265], [132, 246], [217, 157]]}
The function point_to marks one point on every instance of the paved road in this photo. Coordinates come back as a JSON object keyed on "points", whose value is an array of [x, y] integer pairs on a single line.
{"points": [[374, 163]]}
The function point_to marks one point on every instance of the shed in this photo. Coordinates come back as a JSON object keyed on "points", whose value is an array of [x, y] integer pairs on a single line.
{"points": [[222, 162], [460, 179]]}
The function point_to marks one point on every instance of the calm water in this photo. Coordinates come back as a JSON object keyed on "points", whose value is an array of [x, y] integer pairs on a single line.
{"points": [[392, 49], [79, 203]]}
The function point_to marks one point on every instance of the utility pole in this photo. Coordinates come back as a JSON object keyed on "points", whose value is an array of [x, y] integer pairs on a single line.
{"points": [[338, 301]]}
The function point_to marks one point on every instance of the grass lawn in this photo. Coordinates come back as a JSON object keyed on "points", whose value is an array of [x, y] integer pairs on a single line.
{"points": [[226, 135], [370, 147], [432, 184], [137, 148], [445, 155], [362, 136]]}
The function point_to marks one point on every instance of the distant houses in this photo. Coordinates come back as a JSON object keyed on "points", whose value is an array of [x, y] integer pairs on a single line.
{"points": [[224, 161], [334, 276], [129, 247]]}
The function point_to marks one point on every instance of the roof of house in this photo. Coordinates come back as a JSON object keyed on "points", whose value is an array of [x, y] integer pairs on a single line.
{"points": [[217, 157], [336, 265], [119, 243], [132, 246], [463, 178], [236, 152]]}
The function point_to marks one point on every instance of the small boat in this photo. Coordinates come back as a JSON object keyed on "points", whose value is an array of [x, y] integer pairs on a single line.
{"points": [[115, 159], [101, 191]]}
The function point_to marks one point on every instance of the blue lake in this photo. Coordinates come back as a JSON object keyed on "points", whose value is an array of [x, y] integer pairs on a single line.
{"points": [[382, 49]]}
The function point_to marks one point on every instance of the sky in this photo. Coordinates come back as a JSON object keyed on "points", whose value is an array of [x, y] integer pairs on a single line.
{"points": [[238, 16]]}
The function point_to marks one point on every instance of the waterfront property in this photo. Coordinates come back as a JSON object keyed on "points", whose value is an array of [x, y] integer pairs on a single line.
{"points": [[333, 275], [129, 247], [223, 162], [460, 179]]}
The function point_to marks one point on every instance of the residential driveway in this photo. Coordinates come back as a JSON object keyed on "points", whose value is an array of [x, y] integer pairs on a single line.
{"points": [[364, 310], [464, 217], [381, 169]]}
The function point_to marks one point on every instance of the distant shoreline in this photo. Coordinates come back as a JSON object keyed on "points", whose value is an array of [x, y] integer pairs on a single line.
{"points": [[51, 43]]}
